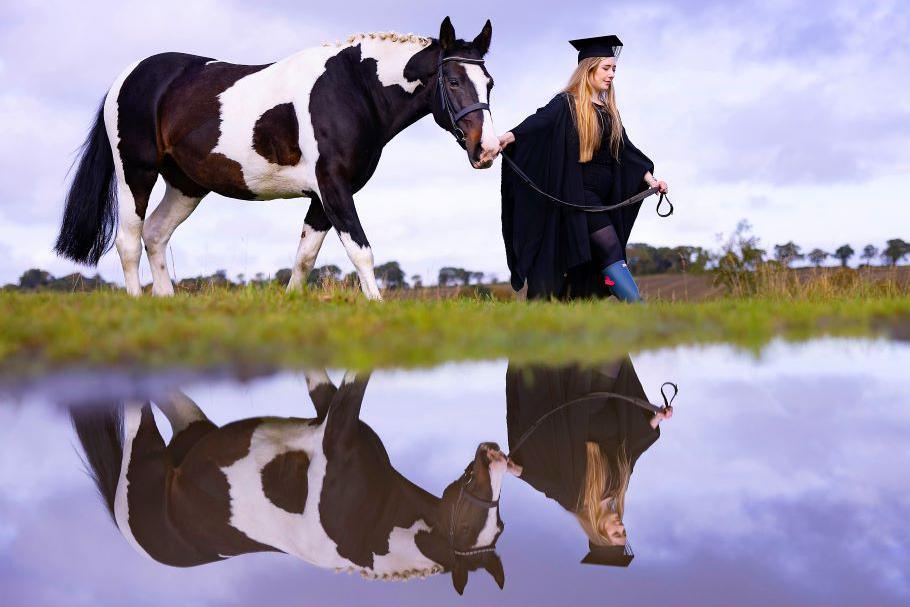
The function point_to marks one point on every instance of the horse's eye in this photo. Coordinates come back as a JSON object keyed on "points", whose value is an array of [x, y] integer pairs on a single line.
{"points": [[453, 83]]}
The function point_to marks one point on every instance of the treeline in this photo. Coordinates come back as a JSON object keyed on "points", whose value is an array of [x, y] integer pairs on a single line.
{"points": [[741, 252], [389, 275], [646, 259]]}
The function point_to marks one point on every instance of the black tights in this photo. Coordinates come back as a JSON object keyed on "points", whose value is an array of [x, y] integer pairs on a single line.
{"points": [[605, 246]]}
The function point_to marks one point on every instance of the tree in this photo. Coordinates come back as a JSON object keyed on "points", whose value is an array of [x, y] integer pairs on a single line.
{"points": [[788, 253], [35, 278], [843, 252], [870, 252], [283, 276], [895, 251], [323, 274], [477, 277], [817, 257], [417, 281], [391, 276], [447, 275]]}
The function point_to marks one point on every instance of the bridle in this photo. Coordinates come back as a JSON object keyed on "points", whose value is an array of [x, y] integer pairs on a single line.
{"points": [[445, 101], [465, 494]]}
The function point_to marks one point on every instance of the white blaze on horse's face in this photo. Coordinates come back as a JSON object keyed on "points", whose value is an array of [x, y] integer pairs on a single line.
{"points": [[489, 142]]}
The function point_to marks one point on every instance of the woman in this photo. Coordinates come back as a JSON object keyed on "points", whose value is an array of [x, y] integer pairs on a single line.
{"points": [[582, 456], [575, 148]]}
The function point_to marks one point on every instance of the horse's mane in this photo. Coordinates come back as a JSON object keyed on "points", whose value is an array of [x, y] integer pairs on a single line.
{"points": [[398, 576], [387, 36]]}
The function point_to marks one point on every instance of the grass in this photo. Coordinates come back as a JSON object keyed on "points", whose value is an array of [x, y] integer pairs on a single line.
{"points": [[261, 329]]}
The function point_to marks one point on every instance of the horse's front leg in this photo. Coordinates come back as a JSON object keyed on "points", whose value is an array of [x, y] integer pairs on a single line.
{"points": [[338, 203]]}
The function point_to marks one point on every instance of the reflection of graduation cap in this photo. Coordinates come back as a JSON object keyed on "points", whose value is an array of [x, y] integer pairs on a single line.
{"points": [[617, 556], [598, 46]]}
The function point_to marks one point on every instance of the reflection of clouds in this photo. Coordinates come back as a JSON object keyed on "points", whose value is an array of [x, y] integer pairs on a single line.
{"points": [[775, 483], [777, 458]]}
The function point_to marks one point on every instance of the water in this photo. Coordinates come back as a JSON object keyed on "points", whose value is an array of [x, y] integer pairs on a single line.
{"points": [[778, 480]]}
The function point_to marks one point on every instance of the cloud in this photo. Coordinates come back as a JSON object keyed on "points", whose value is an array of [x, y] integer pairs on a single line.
{"points": [[791, 102]]}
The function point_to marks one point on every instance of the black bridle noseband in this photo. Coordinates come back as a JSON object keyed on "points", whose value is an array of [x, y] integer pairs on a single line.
{"points": [[445, 101], [464, 493]]}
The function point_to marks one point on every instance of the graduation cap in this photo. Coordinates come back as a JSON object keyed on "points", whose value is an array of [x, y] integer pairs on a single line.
{"points": [[616, 556], [598, 46]]}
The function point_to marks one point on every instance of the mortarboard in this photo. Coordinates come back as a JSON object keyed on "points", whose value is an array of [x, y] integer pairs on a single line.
{"points": [[617, 556], [598, 46]]}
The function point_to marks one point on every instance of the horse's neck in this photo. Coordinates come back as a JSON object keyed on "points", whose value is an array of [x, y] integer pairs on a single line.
{"points": [[388, 73]]}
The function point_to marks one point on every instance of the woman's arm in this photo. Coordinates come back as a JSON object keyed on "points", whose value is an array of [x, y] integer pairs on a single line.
{"points": [[537, 122]]}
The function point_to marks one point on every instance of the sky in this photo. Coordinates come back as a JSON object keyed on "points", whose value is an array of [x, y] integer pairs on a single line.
{"points": [[770, 466], [793, 115]]}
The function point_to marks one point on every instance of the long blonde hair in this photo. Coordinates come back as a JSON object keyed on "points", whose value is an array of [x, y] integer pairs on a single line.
{"points": [[602, 479], [586, 120]]}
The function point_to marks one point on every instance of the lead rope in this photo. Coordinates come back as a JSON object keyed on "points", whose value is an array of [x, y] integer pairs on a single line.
{"points": [[598, 395], [591, 208]]}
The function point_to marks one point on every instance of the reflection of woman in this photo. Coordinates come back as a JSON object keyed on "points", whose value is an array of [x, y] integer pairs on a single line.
{"points": [[583, 455], [576, 149]]}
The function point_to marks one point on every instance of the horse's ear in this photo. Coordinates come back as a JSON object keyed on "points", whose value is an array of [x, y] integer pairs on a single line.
{"points": [[482, 41], [493, 565], [459, 578], [446, 34]]}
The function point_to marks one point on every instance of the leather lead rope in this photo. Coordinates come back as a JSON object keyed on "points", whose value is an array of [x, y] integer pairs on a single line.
{"points": [[587, 208]]}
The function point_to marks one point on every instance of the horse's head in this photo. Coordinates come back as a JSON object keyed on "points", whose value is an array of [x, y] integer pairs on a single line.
{"points": [[461, 94], [468, 527]]}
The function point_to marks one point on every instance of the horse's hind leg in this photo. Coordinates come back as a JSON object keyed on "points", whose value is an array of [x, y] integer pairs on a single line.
{"points": [[173, 209], [132, 200], [315, 227]]}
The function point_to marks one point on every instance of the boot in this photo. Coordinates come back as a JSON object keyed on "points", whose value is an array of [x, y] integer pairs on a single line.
{"points": [[619, 279]]}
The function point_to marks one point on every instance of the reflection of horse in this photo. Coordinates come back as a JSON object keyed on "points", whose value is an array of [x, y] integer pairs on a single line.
{"points": [[312, 125], [320, 489]]}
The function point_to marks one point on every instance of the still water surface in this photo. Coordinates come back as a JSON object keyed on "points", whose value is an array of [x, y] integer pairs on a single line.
{"points": [[779, 479]]}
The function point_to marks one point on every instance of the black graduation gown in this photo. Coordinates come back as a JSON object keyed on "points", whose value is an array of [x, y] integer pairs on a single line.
{"points": [[547, 243], [554, 456]]}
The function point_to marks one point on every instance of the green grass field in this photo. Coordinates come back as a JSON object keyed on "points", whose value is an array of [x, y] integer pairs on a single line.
{"points": [[260, 329]]}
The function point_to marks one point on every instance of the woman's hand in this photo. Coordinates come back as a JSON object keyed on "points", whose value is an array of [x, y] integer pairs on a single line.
{"points": [[665, 413], [505, 139], [662, 186]]}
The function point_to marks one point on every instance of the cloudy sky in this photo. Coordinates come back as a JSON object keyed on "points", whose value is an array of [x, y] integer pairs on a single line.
{"points": [[794, 115]]}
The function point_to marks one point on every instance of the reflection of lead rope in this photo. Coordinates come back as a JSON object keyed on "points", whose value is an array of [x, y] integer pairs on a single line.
{"points": [[596, 395], [587, 208]]}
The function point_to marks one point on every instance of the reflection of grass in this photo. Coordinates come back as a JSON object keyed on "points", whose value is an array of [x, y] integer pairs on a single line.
{"points": [[256, 329]]}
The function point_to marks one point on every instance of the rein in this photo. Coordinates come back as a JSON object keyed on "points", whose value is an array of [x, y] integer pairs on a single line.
{"points": [[598, 395], [442, 93], [587, 208]]}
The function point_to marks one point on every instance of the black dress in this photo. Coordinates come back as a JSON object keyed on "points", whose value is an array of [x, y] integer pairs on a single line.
{"points": [[597, 175]]}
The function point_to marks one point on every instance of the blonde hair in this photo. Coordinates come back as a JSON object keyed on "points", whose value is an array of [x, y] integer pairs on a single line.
{"points": [[602, 479], [587, 122]]}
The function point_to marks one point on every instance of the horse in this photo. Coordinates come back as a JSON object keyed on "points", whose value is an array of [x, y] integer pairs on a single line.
{"points": [[320, 489], [311, 125]]}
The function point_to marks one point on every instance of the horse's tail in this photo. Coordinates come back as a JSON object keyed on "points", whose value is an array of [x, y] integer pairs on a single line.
{"points": [[100, 432], [91, 204]]}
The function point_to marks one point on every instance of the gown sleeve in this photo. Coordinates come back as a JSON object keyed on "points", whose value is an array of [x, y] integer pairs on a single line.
{"points": [[541, 120], [635, 160]]}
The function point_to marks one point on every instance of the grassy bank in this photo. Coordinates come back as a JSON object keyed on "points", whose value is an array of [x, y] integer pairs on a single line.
{"points": [[261, 329]]}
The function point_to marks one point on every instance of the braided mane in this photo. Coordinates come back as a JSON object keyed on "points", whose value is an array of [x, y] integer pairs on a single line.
{"points": [[387, 36]]}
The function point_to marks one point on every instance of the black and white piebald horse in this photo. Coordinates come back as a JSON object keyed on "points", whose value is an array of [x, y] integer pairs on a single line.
{"points": [[320, 489], [311, 125]]}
